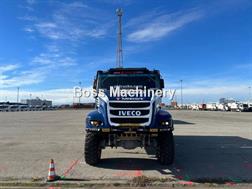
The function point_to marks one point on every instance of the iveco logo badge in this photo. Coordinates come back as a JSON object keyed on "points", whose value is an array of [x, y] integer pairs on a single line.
{"points": [[129, 113]]}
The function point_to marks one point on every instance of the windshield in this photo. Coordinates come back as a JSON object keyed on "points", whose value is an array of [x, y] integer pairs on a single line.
{"points": [[128, 81]]}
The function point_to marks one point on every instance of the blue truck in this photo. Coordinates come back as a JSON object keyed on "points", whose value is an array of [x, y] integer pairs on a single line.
{"points": [[128, 120]]}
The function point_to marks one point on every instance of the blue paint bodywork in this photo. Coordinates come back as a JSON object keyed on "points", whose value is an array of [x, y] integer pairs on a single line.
{"points": [[101, 114]]}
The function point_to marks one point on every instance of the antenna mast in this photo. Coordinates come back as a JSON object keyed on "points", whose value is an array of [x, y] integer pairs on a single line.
{"points": [[119, 53]]}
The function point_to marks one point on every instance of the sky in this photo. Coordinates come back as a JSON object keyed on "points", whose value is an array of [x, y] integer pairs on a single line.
{"points": [[47, 47]]}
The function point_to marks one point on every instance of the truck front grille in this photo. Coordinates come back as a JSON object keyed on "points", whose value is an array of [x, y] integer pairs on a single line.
{"points": [[129, 112], [129, 105], [126, 120]]}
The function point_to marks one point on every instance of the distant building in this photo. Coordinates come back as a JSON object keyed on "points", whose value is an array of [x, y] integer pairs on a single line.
{"points": [[83, 105], [222, 100], [225, 100], [37, 102]]}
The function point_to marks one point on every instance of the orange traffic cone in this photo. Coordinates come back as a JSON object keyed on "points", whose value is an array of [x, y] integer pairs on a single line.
{"points": [[51, 172]]}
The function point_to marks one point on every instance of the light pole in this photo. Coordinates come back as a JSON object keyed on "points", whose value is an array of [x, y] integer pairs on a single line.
{"points": [[80, 87], [30, 100], [17, 94], [119, 53], [249, 93], [181, 93]]}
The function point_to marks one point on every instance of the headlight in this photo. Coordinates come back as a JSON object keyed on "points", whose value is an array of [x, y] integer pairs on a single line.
{"points": [[165, 123], [96, 123]]}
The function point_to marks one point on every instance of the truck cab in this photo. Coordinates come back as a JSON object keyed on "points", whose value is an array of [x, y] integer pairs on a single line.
{"points": [[128, 114]]}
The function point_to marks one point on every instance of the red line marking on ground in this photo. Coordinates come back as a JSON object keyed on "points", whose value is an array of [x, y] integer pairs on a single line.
{"points": [[230, 183], [138, 173], [190, 183], [71, 167]]}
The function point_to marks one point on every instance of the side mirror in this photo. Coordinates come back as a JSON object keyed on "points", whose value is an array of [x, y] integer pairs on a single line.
{"points": [[94, 88], [94, 84], [161, 83]]}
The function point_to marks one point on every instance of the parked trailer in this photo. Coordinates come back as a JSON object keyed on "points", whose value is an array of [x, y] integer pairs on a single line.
{"points": [[12, 108], [202, 106], [3, 108], [211, 107], [233, 106], [250, 107], [22, 108], [195, 107], [243, 107], [220, 107], [227, 108], [38, 108]]}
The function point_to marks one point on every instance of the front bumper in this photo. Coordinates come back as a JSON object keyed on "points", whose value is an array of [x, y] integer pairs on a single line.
{"points": [[131, 129]]}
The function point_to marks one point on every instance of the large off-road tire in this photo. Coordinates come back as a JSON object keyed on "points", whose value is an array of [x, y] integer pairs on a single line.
{"points": [[92, 151], [165, 149]]}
